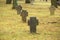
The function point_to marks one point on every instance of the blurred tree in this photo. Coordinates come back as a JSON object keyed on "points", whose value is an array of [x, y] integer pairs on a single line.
{"points": [[54, 2], [14, 3], [8, 1]]}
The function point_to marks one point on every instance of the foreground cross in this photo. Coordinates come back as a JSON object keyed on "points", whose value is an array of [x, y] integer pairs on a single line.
{"points": [[33, 22]]}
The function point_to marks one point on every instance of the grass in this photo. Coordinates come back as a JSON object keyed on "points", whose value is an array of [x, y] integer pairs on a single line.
{"points": [[12, 28]]}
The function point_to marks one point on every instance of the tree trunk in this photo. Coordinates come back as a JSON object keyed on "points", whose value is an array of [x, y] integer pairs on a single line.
{"points": [[14, 3], [54, 2], [8, 1]]}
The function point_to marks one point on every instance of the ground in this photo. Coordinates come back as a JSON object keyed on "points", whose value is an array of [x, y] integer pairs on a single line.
{"points": [[12, 27]]}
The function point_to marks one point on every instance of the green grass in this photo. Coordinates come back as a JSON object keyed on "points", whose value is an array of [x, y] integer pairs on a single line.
{"points": [[12, 28]]}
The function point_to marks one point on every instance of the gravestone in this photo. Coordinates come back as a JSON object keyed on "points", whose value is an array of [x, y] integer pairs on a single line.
{"points": [[58, 2], [33, 22], [27, 1], [52, 10], [46, 0], [32, 1], [24, 15], [19, 9]]}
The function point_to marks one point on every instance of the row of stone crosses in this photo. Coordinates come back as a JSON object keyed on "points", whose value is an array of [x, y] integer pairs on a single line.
{"points": [[33, 22]]}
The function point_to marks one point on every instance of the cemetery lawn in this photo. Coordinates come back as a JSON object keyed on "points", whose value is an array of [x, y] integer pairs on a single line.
{"points": [[12, 28]]}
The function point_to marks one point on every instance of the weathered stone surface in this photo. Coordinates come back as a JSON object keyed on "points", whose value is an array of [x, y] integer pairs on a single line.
{"points": [[19, 9], [52, 10], [27, 1], [24, 14], [33, 22]]}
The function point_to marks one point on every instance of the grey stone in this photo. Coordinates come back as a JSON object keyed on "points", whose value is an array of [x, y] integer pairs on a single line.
{"points": [[27, 1], [19, 9], [24, 15], [52, 10], [33, 22]]}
